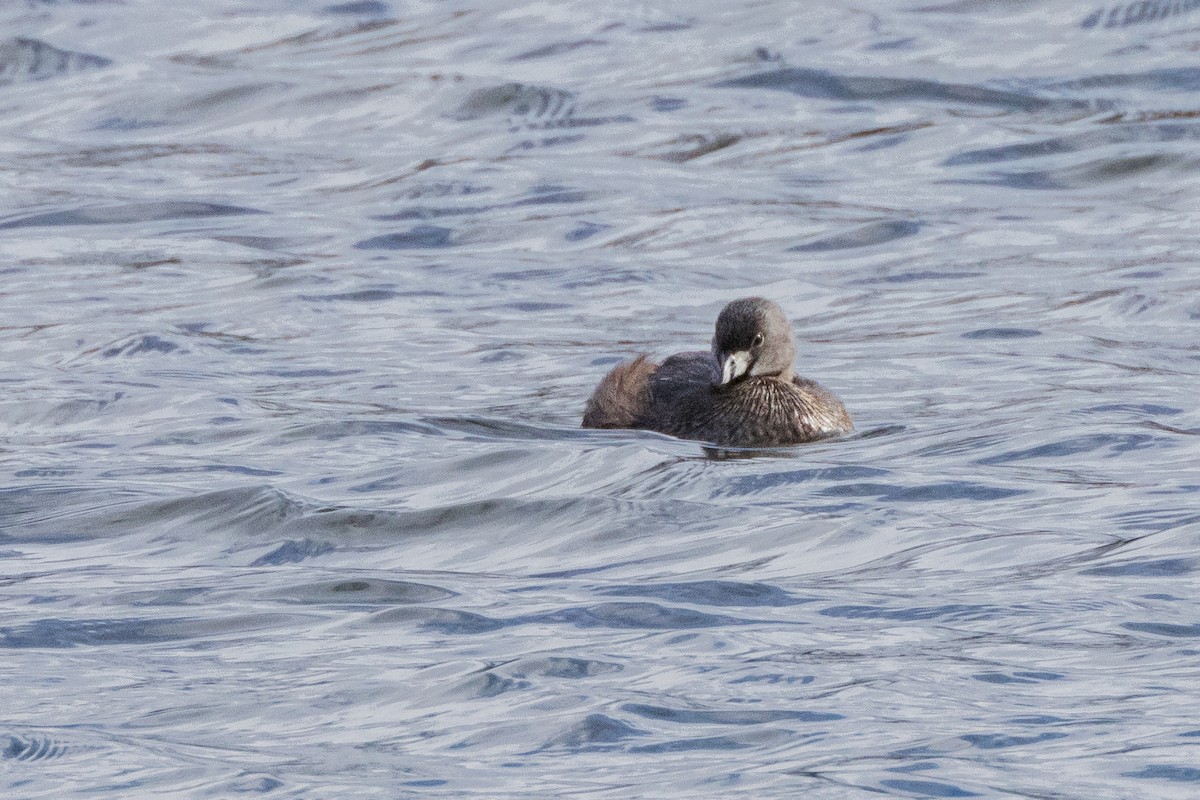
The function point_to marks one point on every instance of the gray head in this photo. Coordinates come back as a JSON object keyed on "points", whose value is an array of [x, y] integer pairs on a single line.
{"points": [[753, 338]]}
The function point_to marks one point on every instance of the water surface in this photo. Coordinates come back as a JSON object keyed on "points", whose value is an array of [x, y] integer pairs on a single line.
{"points": [[300, 304]]}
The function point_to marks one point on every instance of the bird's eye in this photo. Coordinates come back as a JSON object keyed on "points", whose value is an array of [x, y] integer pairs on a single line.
{"points": [[758, 340]]}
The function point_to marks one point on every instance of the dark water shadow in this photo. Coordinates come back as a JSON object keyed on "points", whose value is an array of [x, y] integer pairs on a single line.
{"points": [[595, 732], [823, 84], [1138, 12], [420, 237], [129, 213], [530, 106], [876, 233], [611, 615], [709, 593], [64, 633], [1156, 133], [25, 59], [24, 747], [361, 593], [1113, 442], [359, 8], [1150, 568], [1098, 172], [689, 716]]}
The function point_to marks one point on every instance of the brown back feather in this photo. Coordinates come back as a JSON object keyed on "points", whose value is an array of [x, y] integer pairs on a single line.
{"points": [[622, 397]]}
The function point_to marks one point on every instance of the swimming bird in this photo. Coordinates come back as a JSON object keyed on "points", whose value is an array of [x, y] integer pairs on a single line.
{"points": [[742, 393]]}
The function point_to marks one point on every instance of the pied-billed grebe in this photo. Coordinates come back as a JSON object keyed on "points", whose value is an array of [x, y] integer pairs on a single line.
{"points": [[743, 393]]}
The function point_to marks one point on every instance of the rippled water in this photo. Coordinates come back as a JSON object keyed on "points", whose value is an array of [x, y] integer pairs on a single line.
{"points": [[299, 306]]}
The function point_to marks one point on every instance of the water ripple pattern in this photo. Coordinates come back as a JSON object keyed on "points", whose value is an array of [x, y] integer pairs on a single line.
{"points": [[300, 303]]}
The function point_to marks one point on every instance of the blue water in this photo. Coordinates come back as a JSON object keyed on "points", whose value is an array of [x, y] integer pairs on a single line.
{"points": [[300, 304]]}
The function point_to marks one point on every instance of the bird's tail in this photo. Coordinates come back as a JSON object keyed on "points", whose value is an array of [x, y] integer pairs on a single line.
{"points": [[621, 398]]}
